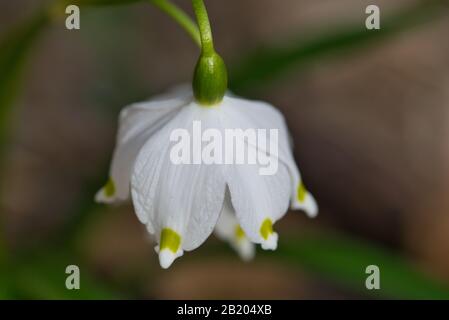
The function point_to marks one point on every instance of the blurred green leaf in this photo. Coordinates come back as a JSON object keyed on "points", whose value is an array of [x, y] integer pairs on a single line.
{"points": [[270, 63], [43, 277], [5, 285], [345, 260], [14, 50]]}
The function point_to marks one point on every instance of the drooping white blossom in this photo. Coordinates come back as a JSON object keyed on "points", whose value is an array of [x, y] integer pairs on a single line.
{"points": [[182, 203]]}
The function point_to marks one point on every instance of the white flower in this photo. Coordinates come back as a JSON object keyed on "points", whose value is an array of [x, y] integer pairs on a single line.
{"points": [[181, 204]]}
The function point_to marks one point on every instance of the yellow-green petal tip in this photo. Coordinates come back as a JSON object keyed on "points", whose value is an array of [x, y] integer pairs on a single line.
{"points": [[239, 233], [301, 192], [266, 228], [170, 239], [109, 188]]}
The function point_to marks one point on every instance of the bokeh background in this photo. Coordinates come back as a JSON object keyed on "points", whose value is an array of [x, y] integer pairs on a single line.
{"points": [[368, 112]]}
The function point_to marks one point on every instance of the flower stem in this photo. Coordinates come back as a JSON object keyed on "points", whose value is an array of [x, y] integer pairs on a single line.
{"points": [[180, 17], [204, 27]]}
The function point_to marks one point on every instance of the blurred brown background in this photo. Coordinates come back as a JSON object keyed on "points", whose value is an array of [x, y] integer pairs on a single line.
{"points": [[371, 132]]}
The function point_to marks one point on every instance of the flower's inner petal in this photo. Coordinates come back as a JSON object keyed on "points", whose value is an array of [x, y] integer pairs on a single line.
{"points": [[229, 230]]}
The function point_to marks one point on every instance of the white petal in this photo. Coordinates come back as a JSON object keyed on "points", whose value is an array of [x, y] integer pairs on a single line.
{"points": [[260, 115], [305, 201], [167, 257], [228, 229], [137, 124], [259, 201], [184, 198]]}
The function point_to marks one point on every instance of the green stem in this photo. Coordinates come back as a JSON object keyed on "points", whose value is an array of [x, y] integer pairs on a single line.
{"points": [[204, 26], [180, 17]]}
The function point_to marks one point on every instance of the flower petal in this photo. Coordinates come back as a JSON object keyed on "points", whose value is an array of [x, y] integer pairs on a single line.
{"points": [[228, 229], [304, 201], [246, 114], [259, 200], [177, 200], [137, 124]]}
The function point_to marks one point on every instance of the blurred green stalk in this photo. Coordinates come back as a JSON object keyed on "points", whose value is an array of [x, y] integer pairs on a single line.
{"points": [[271, 62], [166, 6], [180, 17]]}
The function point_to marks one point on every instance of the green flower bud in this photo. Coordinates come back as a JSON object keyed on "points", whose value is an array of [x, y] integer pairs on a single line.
{"points": [[210, 80]]}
